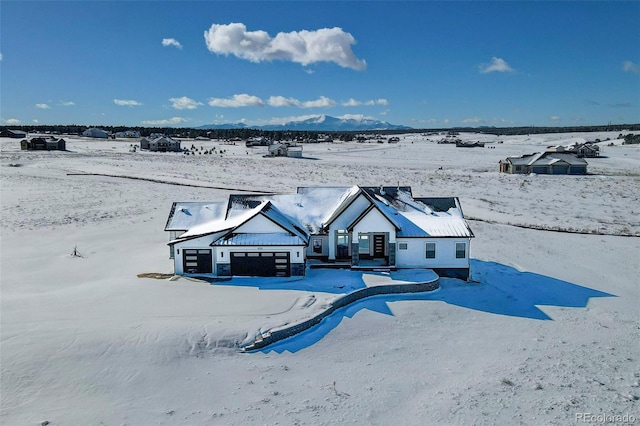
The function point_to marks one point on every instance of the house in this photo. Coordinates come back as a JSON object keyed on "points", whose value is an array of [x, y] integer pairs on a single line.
{"points": [[353, 227], [285, 150], [160, 144], [548, 162], [128, 134], [14, 134], [43, 144], [95, 133]]}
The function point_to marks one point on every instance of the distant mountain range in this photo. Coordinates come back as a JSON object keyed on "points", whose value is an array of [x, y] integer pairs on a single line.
{"points": [[321, 123]]}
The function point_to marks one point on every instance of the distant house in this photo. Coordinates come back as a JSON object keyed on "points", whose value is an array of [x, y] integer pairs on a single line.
{"points": [[14, 134], [95, 133], [285, 150], [43, 144], [356, 227], [128, 134], [160, 144], [548, 162]]}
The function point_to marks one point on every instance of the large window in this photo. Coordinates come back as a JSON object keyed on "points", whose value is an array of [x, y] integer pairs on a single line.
{"points": [[363, 245], [431, 251], [343, 238], [461, 250]]}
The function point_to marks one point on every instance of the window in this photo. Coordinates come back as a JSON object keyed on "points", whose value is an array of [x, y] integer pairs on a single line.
{"points": [[461, 250], [402, 246], [431, 251], [343, 238], [317, 245], [363, 241]]}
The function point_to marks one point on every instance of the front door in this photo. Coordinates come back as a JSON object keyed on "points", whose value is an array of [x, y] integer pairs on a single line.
{"points": [[378, 246]]}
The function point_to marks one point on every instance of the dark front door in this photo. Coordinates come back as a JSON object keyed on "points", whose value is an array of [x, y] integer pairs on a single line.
{"points": [[378, 246], [197, 261]]}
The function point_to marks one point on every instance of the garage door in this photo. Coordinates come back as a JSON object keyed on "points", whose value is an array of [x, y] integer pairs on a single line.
{"points": [[197, 261], [259, 264]]}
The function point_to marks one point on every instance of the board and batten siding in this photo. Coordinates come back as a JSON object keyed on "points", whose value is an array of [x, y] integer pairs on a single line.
{"points": [[258, 225], [344, 220], [415, 255]]}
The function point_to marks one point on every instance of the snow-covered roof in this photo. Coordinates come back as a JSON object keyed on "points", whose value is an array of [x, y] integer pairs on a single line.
{"points": [[266, 239], [185, 215], [546, 158], [312, 209]]}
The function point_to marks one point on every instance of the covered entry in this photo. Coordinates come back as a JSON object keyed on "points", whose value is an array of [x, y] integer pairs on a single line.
{"points": [[260, 264]]}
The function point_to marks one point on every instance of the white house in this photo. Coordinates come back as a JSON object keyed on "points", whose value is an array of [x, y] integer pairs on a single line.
{"points": [[357, 227]]}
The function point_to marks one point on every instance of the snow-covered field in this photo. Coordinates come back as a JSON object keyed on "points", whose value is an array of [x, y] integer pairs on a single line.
{"points": [[550, 328]]}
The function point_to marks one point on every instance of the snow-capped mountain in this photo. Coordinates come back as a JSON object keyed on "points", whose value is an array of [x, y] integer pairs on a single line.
{"points": [[319, 123]]}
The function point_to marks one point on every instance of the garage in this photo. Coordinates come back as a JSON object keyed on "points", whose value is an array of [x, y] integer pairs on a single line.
{"points": [[197, 261], [260, 264]]}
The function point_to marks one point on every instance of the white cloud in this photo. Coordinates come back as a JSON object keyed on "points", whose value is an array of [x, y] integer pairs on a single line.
{"points": [[124, 102], [236, 101], [353, 102], [184, 103], [497, 64], [303, 47], [172, 120], [473, 120], [12, 121], [42, 106], [35, 120], [629, 66], [0, 56], [321, 102], [69, 103], [281, 101], [171, 42], [355, 117], [555, 118]]}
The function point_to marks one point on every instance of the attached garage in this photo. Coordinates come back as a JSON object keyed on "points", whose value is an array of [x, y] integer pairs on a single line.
{"points": [[260, 264], [197, 261]]}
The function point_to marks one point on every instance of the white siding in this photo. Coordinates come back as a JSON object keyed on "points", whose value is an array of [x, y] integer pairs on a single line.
{"points": [[415, 254], [258, 225], [376, 222], [347, 217]]}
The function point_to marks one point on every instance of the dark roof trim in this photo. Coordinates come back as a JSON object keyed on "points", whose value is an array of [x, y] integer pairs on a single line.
{"points": [[366, 212]]}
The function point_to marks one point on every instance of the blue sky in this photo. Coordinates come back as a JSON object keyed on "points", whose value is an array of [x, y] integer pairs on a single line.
{"points": [[420, 64]]}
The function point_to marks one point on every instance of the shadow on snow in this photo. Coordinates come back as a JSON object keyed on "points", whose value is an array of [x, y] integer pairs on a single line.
{"points": [[498, 289]]}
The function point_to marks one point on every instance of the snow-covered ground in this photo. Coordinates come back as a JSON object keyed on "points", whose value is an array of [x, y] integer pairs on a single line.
{"points": [[550, 328]]}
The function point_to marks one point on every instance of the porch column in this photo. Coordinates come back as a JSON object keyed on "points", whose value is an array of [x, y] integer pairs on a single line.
{"points": [[392, 254], [355, 254]]}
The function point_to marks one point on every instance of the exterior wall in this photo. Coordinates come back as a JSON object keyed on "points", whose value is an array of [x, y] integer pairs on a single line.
{"points": [[375, 222], [415, 254], [258, 225], [344, 220], [324, 239], [197, 243]]}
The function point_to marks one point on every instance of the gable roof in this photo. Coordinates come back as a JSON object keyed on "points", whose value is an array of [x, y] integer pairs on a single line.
{"points": [[185, 215], [238, 217]]}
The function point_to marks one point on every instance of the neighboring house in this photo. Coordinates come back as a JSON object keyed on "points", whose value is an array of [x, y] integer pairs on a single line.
{"points": [[160, 144], [549, 162], [95, 133], [14, 134], [285, 150], [357, 227], [128, 134], [43, 144]]}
